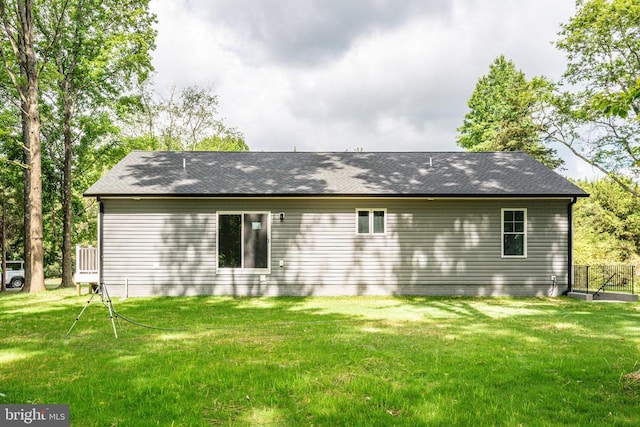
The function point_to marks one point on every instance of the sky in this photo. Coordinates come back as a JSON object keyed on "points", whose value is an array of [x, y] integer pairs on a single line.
{"points": [[337, 75]]}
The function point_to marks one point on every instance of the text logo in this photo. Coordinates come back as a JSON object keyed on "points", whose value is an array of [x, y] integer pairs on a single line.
{"points": [[34, 415]]}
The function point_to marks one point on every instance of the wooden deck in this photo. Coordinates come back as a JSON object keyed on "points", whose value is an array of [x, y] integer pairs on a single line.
{"points": [[87, 266]]}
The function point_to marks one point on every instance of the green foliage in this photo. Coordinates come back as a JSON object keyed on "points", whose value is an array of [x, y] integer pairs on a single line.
{"points": [[11, 181], [504, 114], [99, 49], [607, 224], [185, 120], [231, 141], [142, 121], [94, 52], [91, 53], [596, 115], [325, 361], [618, 104]]}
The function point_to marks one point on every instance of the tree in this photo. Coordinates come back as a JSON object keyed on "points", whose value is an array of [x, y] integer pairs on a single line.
{"points": [[85, 55], [607, 224], [100, 51], [136, 122], [17, 49], [230, 141], [185, 120], [505, 114], [618, 104], [595, 111], [11, 180]]}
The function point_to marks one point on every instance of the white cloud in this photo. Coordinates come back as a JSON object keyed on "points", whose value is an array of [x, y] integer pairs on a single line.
{"points": [[334, 75]]}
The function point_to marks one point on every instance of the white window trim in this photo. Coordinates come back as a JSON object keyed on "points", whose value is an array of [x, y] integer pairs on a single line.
{"points": [[526, 237], [371, 211], [242, 270]]}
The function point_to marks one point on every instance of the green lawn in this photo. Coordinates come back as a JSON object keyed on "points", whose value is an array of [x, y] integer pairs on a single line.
{"points": [[324, 361]]}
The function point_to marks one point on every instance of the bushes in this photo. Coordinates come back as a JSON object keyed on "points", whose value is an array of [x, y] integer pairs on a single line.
{"points": [[607, 224]]}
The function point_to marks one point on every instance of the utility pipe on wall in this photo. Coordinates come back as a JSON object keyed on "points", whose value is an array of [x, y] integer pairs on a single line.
{"points": [[570, 243]]}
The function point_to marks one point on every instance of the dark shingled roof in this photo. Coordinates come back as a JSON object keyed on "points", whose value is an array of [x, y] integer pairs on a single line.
{"points": [[437, 174]]}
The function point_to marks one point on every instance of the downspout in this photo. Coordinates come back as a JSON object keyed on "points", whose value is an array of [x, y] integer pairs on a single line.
{"points": [[100, 242], [570, 243]]}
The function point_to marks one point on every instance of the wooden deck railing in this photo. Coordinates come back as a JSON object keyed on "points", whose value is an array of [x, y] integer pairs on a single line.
{"points": [[87, 266], [86, 260]]}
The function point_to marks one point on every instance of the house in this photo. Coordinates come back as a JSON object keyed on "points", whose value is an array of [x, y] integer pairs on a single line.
{"points": [[351, 223]]}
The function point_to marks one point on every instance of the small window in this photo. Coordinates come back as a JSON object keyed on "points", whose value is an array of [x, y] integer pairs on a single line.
{"points": [[371, 221], [514, 233], [363, 222]]}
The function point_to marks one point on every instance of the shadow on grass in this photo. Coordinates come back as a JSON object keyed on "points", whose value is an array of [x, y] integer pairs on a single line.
{"points": [[326, 361]]}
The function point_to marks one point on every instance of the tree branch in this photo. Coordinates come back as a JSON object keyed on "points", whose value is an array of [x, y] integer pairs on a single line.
{"points": [[610, 174], [56, 32]]}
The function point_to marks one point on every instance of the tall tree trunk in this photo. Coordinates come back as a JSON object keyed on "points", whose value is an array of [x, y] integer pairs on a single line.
{"points": [[20, 35], [36, 249], [26, 177], [67, 272]]}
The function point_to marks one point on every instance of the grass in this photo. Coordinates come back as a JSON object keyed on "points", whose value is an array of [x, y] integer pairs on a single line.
{"points": [[324, 361]]}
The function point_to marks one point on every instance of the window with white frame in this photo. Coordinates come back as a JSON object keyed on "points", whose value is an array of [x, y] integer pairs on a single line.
{"points": [[243, 241], [371, 221], [514, 233]]}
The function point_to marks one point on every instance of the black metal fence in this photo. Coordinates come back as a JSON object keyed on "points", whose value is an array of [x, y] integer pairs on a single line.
{"points": [[604, 278]]}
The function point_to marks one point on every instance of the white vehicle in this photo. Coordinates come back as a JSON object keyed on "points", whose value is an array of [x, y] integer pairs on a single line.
{"points": [[14, 276]]}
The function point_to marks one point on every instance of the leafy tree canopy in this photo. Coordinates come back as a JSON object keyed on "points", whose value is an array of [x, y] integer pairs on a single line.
{"points": [[607, 224], [597, 104], [505, 114], [187, 119]]}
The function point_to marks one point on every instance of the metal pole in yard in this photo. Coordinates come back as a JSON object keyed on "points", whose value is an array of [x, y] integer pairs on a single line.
{"points": [[105, 293], [587, 279]]}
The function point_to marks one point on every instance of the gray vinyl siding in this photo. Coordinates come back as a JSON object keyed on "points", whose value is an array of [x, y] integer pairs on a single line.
{"points": [[431, 247]]}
